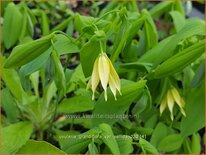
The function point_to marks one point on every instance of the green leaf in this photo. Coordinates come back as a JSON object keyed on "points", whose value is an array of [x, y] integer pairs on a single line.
{"points": [[194, 107], [196, 144], [92, 149], [12, 25], [199, 75], [152, 56], [39, 147], [143, 131], [9, 106], [152, 119], [159, 133], [160, 8], [130, 91], [25, 53], [192, 27], [44, 23], [149, 37], [24, 25], [146, 146], [64, 45], [3, 6], [81, 22], [88, 55], [135, 66], [108, 138], [62, 136], [168, 45], [177, 5], [187, 146], [14, 136], [13, 83], [35, 82], [179, 61], [178, 20], [125, 144], [170, 143], [121, 29], [77, 143], [49, 93], [143, 104], [35, 64], [60, 78], [63, 25], [128, 36], [28, 23], [76, 104]]}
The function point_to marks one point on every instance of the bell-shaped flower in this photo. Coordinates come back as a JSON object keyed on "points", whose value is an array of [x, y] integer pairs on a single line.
{"points": [[171, 97], [104, 72]]}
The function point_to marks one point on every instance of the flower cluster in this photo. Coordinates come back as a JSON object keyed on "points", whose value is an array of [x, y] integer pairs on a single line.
{"points": [[104, 72], [172, 96]]}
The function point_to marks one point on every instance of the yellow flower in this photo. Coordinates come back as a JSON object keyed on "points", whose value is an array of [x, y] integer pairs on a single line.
{"points": [[104, 72], [172, 96]]}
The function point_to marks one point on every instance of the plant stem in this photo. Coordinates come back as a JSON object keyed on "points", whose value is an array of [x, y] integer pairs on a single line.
{"points": [[60, 32], [106, 15], [101, 48], [100, 43], [40, 135]]}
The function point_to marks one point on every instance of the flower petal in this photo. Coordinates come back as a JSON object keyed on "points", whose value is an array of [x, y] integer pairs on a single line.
{"points": [[177, 97], [170, 102], [112, 86], [181, 109], [104, 70], [115, 77], [95, 77], [105, 95], [163, 104]]}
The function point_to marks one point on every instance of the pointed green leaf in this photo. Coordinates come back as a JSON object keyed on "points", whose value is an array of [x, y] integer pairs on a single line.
{"points": [[12, 25], [14, 136], [130, 91], [25, 53], [39, 147]]}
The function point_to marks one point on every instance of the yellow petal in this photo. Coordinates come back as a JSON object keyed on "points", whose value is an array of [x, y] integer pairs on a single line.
{"points": [[105, 95], [112, 86], [104, 70], [183, 112], [181, 108], [182, 102], [114, 77], [176, 97], [170, 102], [163, 104], [95, 77]]}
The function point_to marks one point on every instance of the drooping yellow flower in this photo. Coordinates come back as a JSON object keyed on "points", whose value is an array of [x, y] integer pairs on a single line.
{"points": [[172, 96], [104, 72]]}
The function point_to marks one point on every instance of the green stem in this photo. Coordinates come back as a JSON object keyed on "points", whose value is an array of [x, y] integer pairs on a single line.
{"points": [[101, 48], [40, 135], [100, 43], [60, 32], [106, 15]]}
